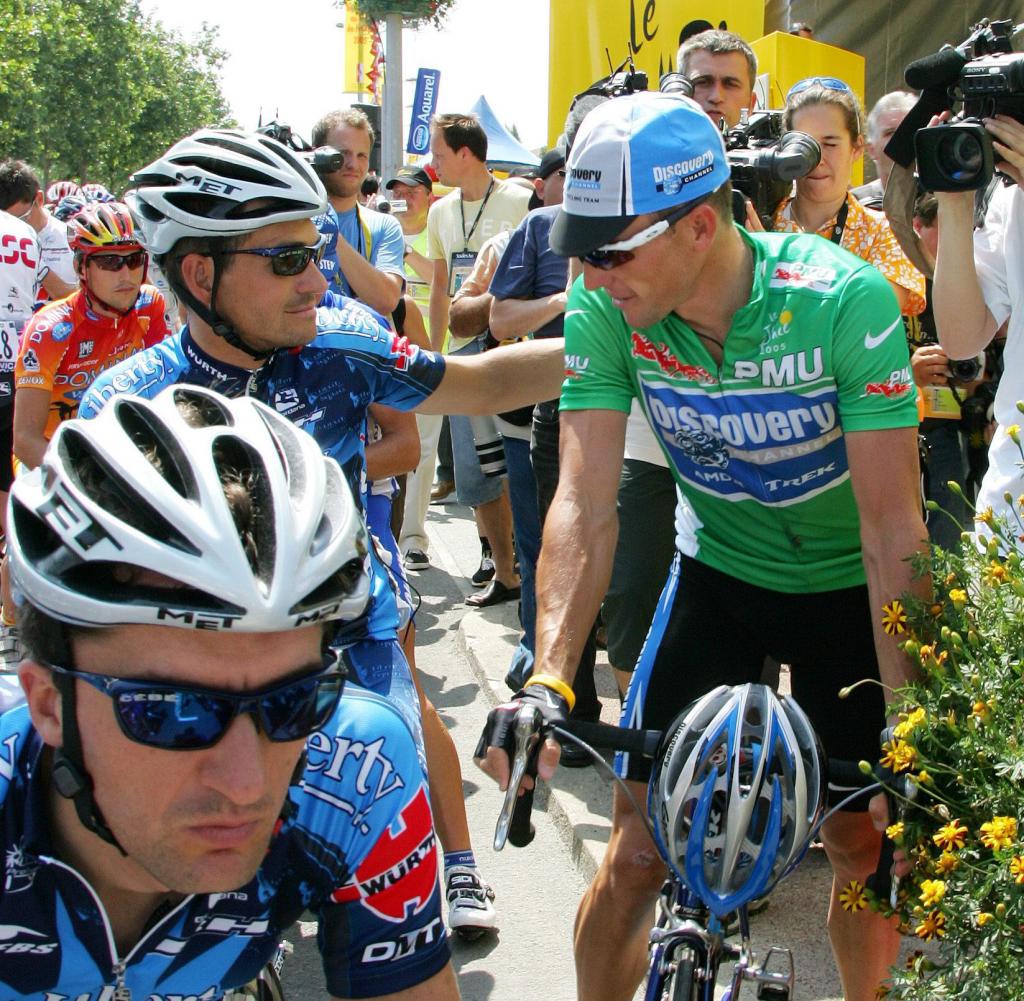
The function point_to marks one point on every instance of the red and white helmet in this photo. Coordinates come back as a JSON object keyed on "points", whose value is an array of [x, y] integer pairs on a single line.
{"points": [[61, 189]]}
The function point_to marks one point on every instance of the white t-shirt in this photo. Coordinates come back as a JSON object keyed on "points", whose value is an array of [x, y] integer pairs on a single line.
{"points": [[20, 274], [57, 255], [998, 252]]}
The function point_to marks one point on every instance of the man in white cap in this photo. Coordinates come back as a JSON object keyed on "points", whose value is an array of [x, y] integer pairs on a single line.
{"points": [[773, 371]]}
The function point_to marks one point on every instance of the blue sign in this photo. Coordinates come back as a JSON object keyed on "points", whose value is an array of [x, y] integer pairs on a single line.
{"points": [[427, 82]]}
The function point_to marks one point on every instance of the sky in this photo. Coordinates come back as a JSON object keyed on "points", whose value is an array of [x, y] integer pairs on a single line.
{"points": [[289, 65]]}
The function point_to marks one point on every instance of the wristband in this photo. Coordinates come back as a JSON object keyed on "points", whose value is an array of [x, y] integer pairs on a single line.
{"points": [[555, 684]]}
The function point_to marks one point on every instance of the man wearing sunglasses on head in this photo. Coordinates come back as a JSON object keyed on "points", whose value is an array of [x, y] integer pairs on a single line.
{"points": [[774, 373], [191, 773]]}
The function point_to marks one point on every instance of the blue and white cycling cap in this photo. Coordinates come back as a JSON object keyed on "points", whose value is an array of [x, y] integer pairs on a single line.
{"points": [[632, 155]]}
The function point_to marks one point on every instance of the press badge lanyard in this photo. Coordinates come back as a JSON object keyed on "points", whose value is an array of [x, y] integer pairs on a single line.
{"points": [[364, 246], [836, 235], [466, 237]]}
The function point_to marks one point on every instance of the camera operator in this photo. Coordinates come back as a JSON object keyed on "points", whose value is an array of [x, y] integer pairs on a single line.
{"points": [[722, 68], [828, 110], [978, 286]]}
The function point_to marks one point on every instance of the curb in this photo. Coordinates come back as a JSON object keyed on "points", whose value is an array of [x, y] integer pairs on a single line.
{"points": [[578, 801]]}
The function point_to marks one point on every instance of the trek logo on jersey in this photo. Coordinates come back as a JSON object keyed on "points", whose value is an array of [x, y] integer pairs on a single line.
{"points": [[17, 940], [672, 178], [576, 366], [85, 349], [643, 347], [399, 877], [30, 361], [797, 274], [785, 370], [778, 448]]}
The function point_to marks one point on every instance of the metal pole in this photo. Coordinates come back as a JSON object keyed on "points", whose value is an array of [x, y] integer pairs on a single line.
{"points": [[391, 114]]}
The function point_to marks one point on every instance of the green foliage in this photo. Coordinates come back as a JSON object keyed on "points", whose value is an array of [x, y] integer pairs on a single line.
{"points": [[415, 13], [93, 89], [960, 744]]}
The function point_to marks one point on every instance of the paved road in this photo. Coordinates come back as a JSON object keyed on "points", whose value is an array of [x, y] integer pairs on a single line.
{"points": [[463, 654]]}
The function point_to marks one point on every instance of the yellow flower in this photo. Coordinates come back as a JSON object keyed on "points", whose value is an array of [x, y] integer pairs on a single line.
{"points": [[909, 723], [951, 835], [894, 832], [946, 863], [932, 892], [933, 925], [980, 711], [1017, 868], [958, 597], [898, 756], [1013, 433], [984, 918], [999, 832], [994, 573], [894, 618], [853, 897], [985, 516], [922, 778]]}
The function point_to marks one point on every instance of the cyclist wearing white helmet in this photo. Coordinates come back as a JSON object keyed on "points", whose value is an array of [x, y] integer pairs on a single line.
{"points": [[186, 778], [229, 217]]}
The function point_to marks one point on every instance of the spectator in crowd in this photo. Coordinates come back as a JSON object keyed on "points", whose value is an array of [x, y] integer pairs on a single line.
{"points": [[365, 248], [883, 120], [826, 109], [977, 289], [22, 196], [723, 69], [20, 273], [802, 29], [458, 226], [672, 292]]}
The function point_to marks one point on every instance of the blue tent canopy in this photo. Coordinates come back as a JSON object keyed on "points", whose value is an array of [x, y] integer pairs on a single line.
{"points": [[503, 149]]}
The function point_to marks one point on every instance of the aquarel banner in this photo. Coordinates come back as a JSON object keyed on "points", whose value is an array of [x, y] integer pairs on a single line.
{"points": [[423, 105]]}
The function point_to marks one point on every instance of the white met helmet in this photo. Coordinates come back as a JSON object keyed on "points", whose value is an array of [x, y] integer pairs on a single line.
{"points": [[150, 485], [223, 182], [736, 793]]}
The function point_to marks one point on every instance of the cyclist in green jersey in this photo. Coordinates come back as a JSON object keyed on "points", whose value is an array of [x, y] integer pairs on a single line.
{"points": [[774, 373]]}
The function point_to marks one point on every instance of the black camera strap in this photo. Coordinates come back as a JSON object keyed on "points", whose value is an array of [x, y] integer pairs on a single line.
{"points": [[836, 236]]}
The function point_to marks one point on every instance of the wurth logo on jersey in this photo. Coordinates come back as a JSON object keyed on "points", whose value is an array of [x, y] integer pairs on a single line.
{"points": [[403, 352], [399, 877], [643, 347]]}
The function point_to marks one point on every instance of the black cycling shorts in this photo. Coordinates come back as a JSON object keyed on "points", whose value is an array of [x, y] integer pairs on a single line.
{"points": [[711, 629], [6, 431]]}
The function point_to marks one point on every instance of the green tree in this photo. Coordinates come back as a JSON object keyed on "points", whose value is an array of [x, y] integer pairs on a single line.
{"points": [[93, 89]]}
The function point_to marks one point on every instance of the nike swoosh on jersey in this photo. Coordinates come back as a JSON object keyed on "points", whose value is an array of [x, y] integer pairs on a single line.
{"points": [[575, 312], [872, 342]]}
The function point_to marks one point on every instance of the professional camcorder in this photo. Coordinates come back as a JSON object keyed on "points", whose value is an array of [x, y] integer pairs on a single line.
{"points": [[323, 159], [764, 162], [988, 77]]}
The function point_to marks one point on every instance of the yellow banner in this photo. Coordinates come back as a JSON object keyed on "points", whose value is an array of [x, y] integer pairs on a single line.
{"points": [[358, 52], [585, 36]]}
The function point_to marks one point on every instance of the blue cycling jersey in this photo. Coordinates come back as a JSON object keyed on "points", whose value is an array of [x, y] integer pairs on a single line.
{"points": [[324, 387], [355, 845]]}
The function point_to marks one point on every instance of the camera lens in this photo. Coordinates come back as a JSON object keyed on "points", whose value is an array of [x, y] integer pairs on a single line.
{"points": [[960, 155]]}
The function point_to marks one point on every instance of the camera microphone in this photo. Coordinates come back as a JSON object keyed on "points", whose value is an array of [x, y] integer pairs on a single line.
{"points": [[938, 70]]}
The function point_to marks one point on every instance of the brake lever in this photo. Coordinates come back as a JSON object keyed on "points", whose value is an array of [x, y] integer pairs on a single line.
{"points": [[527, 737]]}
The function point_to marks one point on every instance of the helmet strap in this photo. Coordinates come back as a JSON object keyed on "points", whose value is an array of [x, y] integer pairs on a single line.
{"points": [[70, 778], [218, 324]]}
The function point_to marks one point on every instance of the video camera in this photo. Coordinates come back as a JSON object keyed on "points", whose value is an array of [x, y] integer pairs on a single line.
{"points": [[323, 159], [988, 77], [763, 161]]}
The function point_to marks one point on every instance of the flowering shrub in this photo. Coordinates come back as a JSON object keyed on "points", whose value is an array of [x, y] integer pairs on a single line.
{"points": [[960, 745], [415, 13]]}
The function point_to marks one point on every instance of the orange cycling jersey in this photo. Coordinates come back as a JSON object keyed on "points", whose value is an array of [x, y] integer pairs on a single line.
{"points": [[66, 345]]}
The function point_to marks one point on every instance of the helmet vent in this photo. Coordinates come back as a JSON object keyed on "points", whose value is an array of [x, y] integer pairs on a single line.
{"points": [[224, 169]]}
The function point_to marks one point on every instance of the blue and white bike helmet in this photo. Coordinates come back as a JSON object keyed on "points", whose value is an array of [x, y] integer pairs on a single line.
{"points": [[736, 792]]}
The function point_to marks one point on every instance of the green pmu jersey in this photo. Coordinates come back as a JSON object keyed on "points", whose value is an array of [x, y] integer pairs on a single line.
{"points": [[756, 443]]}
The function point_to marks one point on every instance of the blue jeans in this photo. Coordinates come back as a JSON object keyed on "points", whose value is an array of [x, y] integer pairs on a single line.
{"points": [[522, 490]]}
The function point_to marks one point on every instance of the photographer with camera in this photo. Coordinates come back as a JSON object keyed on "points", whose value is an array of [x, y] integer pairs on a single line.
{"points": [[366, 251], [828, 110]]}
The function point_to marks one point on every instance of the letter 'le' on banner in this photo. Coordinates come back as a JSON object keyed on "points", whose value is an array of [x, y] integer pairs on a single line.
{"points": [[581, 43], [427, 83]]}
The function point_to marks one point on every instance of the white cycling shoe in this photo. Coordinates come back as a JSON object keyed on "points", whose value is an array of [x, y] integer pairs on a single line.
{"points": [[470, 911]]}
